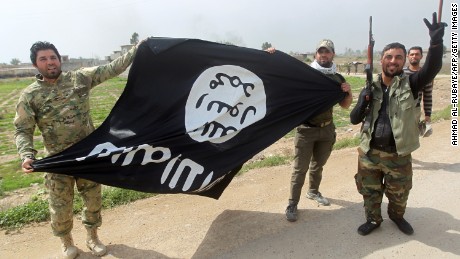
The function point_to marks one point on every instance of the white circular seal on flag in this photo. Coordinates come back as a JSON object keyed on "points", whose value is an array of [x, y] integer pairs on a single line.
{"points": [[223, 101]]}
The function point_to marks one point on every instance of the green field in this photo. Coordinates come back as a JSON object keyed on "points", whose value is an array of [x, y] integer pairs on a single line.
{"points": [[103, 98]]}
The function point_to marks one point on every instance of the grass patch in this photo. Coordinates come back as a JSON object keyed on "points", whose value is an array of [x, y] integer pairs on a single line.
{"points": [[290, 134], [342, 116], [36, 210], [112, 197], [13, 178], [346, 143], [267, 162], [444, 114], [103, 98]]}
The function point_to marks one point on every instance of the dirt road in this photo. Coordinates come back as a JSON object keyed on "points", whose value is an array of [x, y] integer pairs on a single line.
{"points": [[248, 220]]}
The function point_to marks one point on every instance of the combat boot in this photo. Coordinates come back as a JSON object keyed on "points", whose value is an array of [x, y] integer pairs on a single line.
{"points": [[69, 250], [403, 225], [368, 227], [318, 198], [291, 212], [94, 244]]}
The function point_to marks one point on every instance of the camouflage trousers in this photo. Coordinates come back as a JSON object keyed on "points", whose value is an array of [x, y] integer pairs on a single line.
{"points": [[61, 194], [313, 146], [381, 172]]}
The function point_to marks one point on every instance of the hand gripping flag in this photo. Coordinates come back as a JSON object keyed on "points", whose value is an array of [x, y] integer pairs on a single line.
{"points": [[192, 113]]}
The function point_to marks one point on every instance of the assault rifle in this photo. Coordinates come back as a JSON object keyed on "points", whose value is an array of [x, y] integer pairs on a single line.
{"points": [[369, 68]]}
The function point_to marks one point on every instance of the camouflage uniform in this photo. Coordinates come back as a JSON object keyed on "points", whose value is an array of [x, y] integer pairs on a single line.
{"points": [[313, 146], [388, 171], [380, 172], [62, 113]]}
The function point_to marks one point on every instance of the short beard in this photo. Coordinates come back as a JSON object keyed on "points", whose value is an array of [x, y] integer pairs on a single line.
{"points": [[325, 64], [396, 73], [51, 75], [414, 63]]}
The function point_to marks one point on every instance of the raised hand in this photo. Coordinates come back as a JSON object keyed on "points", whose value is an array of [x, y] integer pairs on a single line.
{"points": [[436, 30]]}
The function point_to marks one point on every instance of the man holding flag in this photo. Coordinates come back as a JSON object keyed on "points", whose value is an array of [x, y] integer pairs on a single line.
{"points": [[58, 103], [316, 136]]}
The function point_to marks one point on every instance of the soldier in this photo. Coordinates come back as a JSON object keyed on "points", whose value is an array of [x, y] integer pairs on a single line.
{"points": [[315, 138], [355, 64], [58, 103], [384, 161], [348, 66]]}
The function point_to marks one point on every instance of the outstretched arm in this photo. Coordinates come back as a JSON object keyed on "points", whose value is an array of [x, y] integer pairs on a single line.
{"points": [[433, 62]]}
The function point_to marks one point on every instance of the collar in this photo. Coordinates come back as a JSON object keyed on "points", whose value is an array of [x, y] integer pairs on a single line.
{"points": [[40, 79], [325, 70]]}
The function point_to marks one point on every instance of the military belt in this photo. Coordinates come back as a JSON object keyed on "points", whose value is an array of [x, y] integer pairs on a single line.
{"points": [[388, 149], [320, 125]]}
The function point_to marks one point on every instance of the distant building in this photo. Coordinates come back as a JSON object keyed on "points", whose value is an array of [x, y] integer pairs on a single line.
{"points": [[20, 71], [126, 48], [303, 56], [118, 53]]}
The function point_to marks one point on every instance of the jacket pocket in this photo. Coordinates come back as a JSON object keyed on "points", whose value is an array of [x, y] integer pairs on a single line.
{"points": [[406, 100]]}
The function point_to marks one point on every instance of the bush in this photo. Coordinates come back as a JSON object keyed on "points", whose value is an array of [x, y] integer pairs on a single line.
{"points": [[33, 211]]}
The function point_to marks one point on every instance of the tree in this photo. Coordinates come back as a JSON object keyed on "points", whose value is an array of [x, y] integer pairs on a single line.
{"points": [[266, 45], [134, 39], [15, 62]]}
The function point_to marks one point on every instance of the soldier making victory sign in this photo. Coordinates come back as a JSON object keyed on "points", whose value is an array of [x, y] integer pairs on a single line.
{"points": [[388, 108]]}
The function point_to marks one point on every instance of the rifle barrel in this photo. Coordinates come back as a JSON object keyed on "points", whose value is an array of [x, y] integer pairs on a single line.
{"points": [[370, 50], [440, 11]]}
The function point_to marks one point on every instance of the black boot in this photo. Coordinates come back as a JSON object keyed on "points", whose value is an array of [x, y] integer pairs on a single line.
{"points": [[403, 225], [368, 227]]}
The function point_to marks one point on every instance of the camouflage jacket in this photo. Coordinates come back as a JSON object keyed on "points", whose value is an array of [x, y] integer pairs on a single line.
{"points": [[61, 110], [401, 111]]}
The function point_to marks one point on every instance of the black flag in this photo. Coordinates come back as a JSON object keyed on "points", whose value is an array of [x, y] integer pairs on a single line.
{"points": [[192, 113]]}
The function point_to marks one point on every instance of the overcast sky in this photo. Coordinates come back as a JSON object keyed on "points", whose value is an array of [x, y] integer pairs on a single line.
{"points": [[95, 28]]}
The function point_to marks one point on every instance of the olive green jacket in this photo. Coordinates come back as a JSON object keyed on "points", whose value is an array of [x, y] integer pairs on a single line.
{"points": [[401, 109]]}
